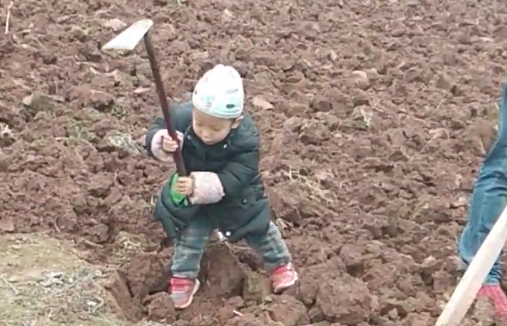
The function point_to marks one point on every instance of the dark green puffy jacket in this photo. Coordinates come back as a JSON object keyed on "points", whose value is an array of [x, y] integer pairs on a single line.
{"points": [[245, 209]]}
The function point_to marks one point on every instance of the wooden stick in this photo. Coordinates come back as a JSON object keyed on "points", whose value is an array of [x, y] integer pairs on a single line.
{"points": [[8, 16], [476, 273]]}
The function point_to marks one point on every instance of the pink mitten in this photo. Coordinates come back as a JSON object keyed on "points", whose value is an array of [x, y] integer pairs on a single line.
{"points": [[162, 145], [207, 188]]}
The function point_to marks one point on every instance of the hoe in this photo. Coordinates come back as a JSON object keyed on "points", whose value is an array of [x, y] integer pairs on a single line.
{"points": [[128, 40]]}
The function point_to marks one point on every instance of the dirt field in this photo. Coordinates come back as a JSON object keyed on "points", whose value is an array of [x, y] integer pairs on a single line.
{"points": [[374, 116]]}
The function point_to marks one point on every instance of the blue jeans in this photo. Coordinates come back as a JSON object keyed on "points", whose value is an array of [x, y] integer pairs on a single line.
{"points": [[488, 197], [189, 248]]}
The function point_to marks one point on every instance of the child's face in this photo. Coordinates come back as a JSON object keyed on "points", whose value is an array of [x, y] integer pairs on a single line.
{"points": [[212, 130]]}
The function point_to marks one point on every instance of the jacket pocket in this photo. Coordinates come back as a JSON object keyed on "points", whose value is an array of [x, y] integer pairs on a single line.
{"points": [[237, 212], [174, 218]]}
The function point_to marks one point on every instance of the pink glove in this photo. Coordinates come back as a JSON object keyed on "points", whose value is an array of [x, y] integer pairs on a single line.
{"points": [[162, 145], [207, 188]]}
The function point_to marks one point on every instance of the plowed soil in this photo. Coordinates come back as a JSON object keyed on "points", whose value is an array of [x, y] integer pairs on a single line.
{"points": [[374, 115]]}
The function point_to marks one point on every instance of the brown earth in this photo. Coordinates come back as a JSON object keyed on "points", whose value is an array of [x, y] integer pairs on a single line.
{"points": [[374, 116]]}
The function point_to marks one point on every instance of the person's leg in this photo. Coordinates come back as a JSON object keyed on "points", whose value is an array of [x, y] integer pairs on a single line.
{"points": [[276, 257], [487, 202], [188, 251]]}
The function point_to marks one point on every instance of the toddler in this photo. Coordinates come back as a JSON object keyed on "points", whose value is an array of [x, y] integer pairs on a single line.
{"points": [[220, 147]]}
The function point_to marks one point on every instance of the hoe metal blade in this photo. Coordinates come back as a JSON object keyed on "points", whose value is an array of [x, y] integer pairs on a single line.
{"points": [[129, 38]]}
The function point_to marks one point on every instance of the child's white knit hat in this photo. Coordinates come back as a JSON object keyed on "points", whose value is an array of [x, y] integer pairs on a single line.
{"points": [[219, 93]]}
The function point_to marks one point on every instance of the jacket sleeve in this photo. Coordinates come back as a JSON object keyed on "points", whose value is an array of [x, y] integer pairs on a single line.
{"points": [[181, 116], [241, 170], [157, 125]]}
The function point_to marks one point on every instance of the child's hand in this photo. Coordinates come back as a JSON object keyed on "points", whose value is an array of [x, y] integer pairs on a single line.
{"points": [[185, 186], [168, 144], [162, 145]]}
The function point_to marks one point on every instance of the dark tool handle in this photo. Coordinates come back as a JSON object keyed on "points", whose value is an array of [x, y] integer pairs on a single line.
{"points": [[164, 104]]}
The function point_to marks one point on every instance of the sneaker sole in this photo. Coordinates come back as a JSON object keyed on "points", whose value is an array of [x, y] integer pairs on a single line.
{"points": [[189, 302], [287, 285]]}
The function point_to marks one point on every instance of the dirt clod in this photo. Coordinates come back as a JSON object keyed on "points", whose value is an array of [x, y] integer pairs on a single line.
{"points": [[289, 311], [346, 300], [160, 308], [256, 288], [222, 272]]}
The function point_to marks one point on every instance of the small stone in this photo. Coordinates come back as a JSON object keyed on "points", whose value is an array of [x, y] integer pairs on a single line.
{"points": [[79, 33], [98, 100], [200, 55], [332, 55], [361, 79], [293, 124], [115, 24], [100, 185], [169, 32], [261, 103], [236, 302], [227, 16], [37, 101]]}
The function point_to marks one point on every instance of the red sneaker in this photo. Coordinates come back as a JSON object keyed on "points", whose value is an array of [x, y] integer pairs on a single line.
{"points": [[497, 297], [283, 277], [182, 291]]}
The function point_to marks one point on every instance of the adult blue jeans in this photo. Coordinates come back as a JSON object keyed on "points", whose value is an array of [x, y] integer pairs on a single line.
{"points": [[488, 197]]}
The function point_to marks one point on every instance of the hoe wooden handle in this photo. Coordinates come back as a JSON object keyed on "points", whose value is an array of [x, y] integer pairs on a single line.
{"points": [[476, 273]]}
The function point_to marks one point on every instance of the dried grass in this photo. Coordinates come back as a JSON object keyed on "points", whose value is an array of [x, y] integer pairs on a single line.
{"points": [[44, 283], [312, 187]]}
